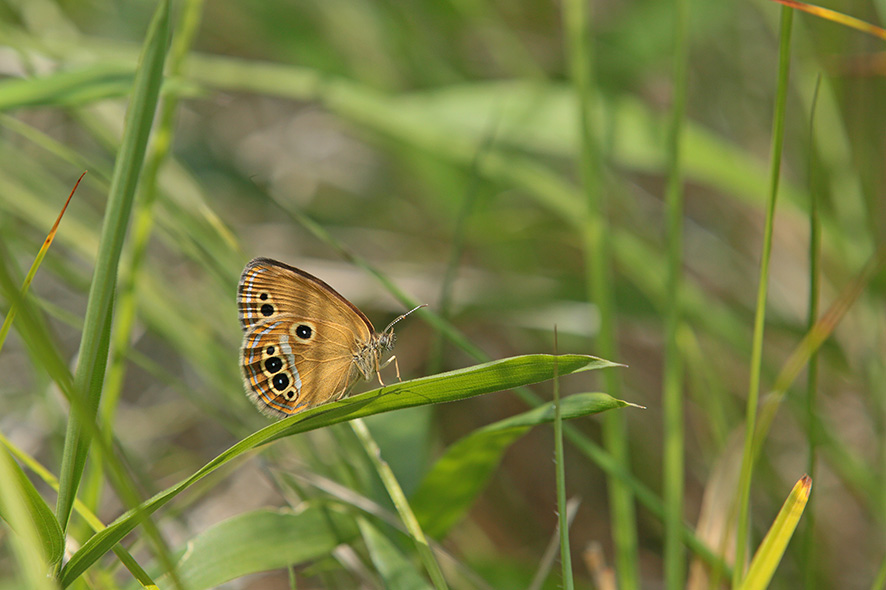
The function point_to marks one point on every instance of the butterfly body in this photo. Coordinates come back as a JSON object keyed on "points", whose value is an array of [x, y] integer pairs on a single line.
{"points": [[304, 343]]}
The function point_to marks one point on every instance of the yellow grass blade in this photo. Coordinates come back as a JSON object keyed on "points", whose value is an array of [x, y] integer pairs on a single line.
{"points": [[772, 548], [837, 17]]}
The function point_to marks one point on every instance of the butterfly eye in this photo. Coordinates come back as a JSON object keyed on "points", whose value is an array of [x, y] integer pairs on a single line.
{"points": [[304, 332]]}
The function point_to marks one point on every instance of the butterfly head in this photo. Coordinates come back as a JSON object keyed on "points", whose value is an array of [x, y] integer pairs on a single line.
{"points": [[368, 360]]}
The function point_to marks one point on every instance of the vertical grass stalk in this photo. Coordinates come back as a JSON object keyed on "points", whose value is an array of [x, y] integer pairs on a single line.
{"points": [[747, 464], [576, 19], [672, 396], [562, 512], [809, 575]]}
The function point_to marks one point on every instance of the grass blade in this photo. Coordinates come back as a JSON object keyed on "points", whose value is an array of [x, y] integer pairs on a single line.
{"points": [[560, 476], [451, 386], [772, 548], [92, 358], [397, 572], [470, 461], [259, 541], [747, 464], [672, 382], [407, 516], [7, 321], [36, 515], [597, 244]]}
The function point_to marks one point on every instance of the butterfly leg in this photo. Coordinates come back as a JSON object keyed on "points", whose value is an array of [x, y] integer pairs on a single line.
{"points": [[385, 364]]}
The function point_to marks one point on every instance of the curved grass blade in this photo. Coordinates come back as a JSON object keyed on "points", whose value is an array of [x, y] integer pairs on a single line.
{"points": [[404, 510], [445, 387], [457, 478], [38, 514], [28, 542], [88, 516], [92, 359]]}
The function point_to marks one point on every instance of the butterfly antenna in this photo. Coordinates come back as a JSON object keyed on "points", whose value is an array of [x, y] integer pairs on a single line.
{"points": [[391, 325]]}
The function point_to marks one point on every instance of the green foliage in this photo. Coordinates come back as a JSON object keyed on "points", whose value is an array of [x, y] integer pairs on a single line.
{"points": [[517, 166]]}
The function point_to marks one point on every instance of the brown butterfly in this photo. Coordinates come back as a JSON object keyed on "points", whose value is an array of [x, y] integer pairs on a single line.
{"points": [[304, 344]]}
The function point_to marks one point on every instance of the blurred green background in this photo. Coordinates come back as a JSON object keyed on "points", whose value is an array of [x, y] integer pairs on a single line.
{"points": [[439, 143]]}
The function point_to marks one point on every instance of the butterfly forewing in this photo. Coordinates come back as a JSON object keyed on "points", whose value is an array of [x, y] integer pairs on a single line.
{"points": [[268, 288]]}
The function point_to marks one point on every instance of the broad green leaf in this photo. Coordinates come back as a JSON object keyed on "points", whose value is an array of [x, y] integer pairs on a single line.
{"points": [[397, 572], [445, 387], [457, 478], [260, 541], [772, 548], [39, 514]]}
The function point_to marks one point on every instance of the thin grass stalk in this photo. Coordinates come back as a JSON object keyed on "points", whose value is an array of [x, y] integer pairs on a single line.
{"points": [[400, 503], [94, 344], [126, 310], [560, 471], [142, 226], [143, 219], [747, 463], [597, 247], [672, 396], [808, 547]]}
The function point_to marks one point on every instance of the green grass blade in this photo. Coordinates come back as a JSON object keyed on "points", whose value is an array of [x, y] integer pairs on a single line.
{"points": [[259, 541], [747, 463], [672, 382], [38, 514], [88, 516], [815, 277], [446, 387], [395, 491], [92, 358], [560, 476], [397, 572], [772, 548], [457, 478], [67, 88], [33, 542], [597, 244]]}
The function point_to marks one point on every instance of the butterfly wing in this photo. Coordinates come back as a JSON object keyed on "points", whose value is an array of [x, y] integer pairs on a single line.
{"points": [[268, 288], [301, 338]]}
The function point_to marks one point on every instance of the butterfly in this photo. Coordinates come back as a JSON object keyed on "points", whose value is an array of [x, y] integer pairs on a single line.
{"points": [[304, 344]]}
